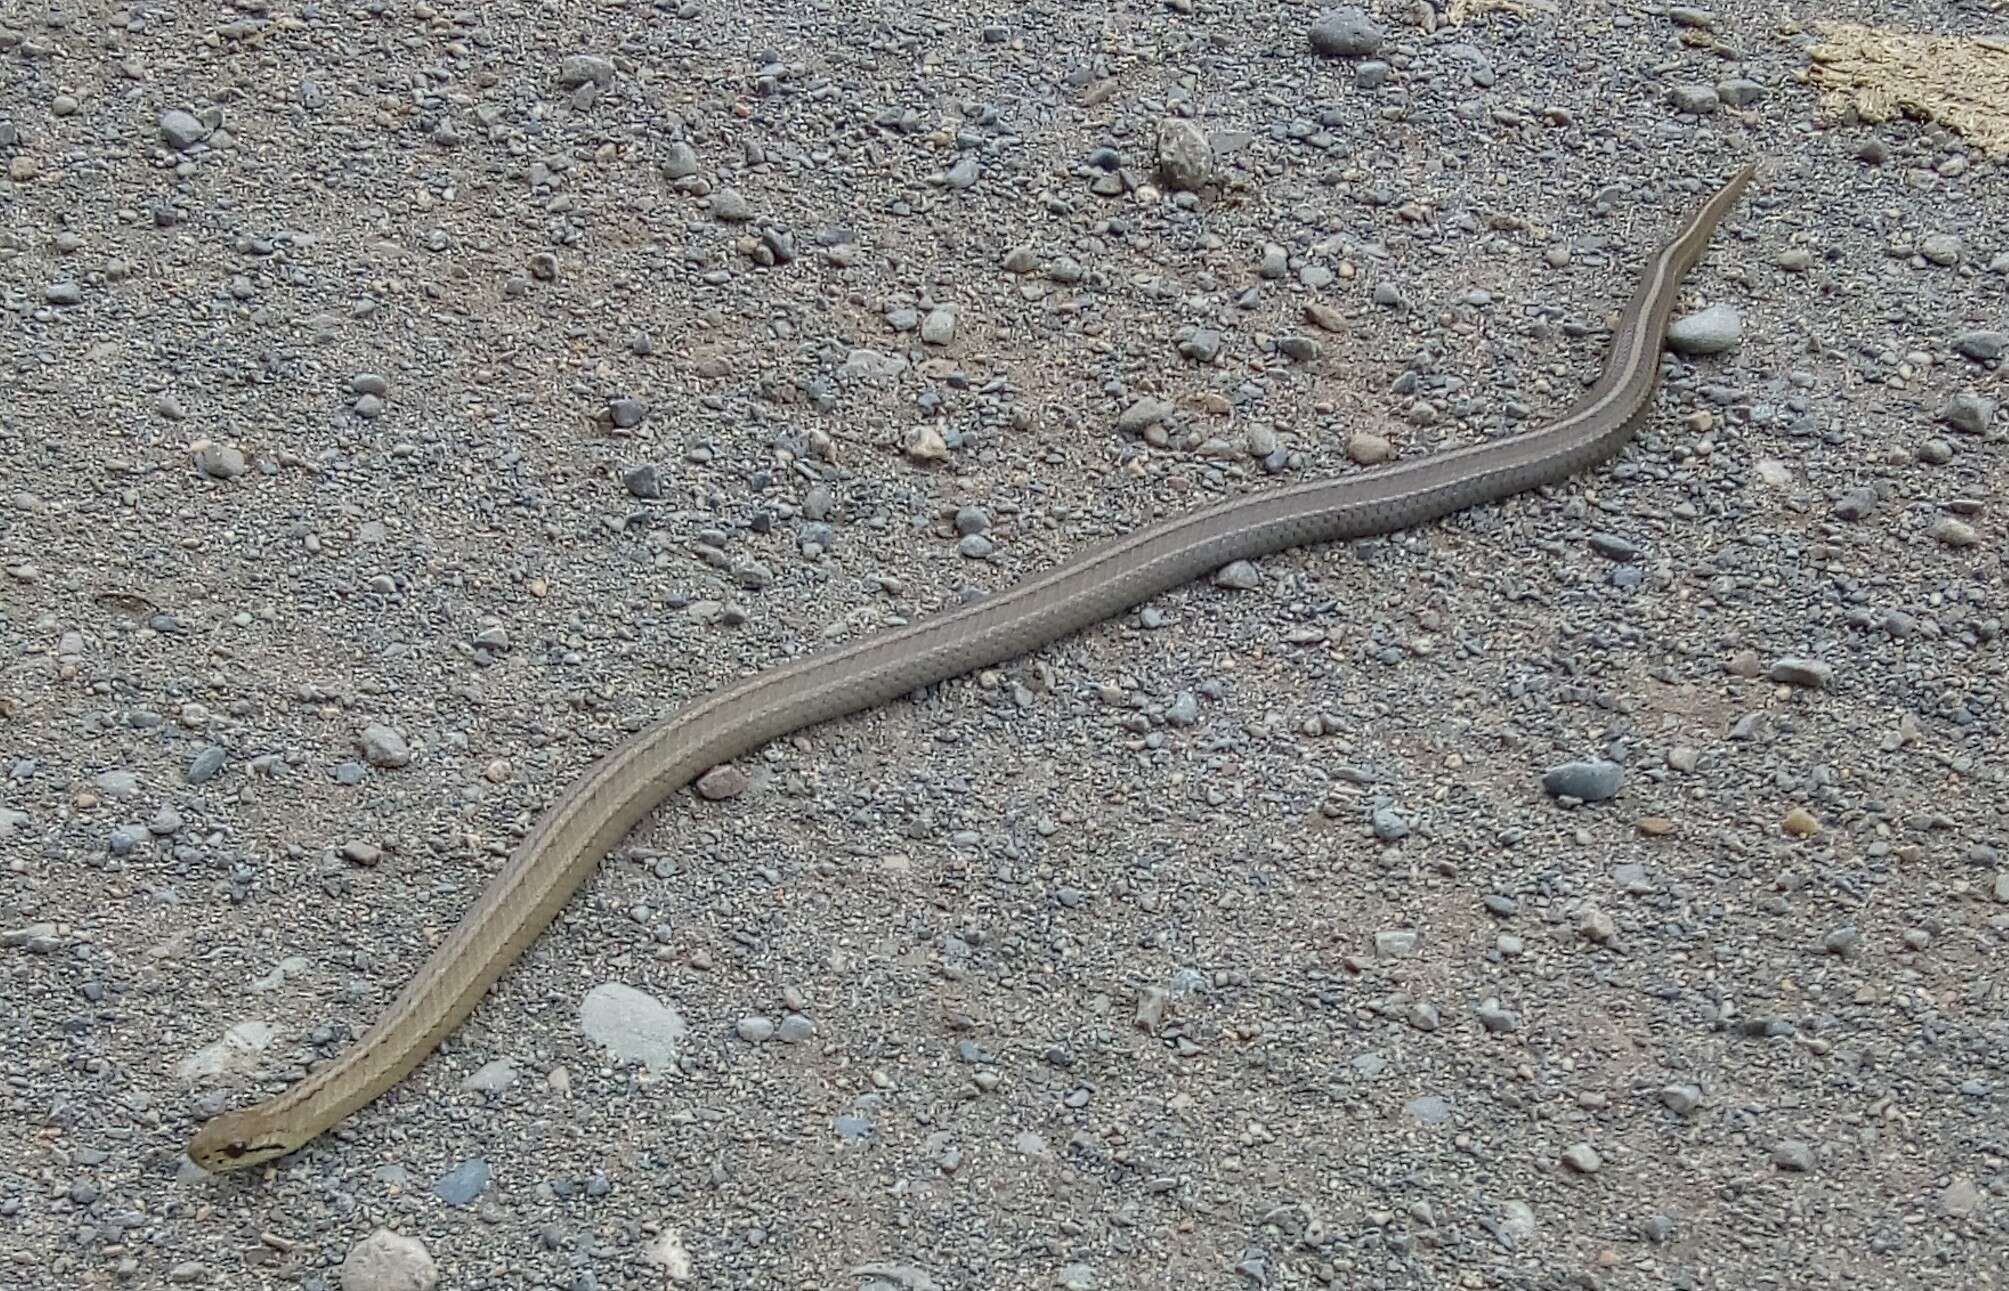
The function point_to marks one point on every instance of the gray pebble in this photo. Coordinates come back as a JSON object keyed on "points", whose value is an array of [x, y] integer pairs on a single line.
{"points": [[219, 461], [1143, 414], [1694, 99], [1982, 347], [1681, 1099], [1345, 33], [118, 786], [1968, 413], [463, 1184], [1856, 504], [939, 327], [182, 130], [1711, 331], [1582, 1158], [1811, 673], [585, 69], [632, 1025], [205, 765], [383, 747], [754, 1029], [644, 481], [1241, 576], [1395, 943], [1185, 155], [729, 207], [680, 161], [1594, 780], [1793, 1155]]}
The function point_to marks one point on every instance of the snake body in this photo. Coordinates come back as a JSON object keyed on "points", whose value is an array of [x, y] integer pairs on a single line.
{"points": [[624, 785]]}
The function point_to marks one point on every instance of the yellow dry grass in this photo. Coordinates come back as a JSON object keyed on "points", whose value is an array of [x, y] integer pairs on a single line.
{"points": [[1960, 82]]}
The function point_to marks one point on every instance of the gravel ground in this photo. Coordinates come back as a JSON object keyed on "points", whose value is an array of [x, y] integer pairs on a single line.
{"points": [[1602, 889]]}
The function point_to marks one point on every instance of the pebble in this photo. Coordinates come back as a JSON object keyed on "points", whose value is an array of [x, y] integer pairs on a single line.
{"points": [[1711, 331], [1239, 575], [1793, 1155], [632, 1025], [1594, 780], [181, 130], [1143, 414], [643, 481], [219, 461], [1582, 1158], [754, 1029], [1982, 347], [1394, 944], [1954, 533], [1681, 1099], [938, 327], [1185, 155], [464, 1184], [584, 69], [1369, 449], [723, 782], [1968, 413], [1345, 33], [1801, 822], [1811, 673], [383, 747], [1694, 99]]}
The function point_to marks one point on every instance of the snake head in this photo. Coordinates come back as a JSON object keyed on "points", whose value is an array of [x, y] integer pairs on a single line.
{"points": [[230, 1143]]}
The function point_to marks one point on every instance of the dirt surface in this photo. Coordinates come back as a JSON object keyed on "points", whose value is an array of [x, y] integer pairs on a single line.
{"points": [[405, 403]]}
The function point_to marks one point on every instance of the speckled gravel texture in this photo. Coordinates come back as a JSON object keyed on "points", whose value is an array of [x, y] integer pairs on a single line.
{"points": [[403, 403]]}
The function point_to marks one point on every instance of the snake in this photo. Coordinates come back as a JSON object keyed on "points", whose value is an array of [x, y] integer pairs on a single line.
{"points": [[637, 775]]}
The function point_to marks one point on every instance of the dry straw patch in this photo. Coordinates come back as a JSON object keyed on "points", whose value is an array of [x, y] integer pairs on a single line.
{"points": [[1961, 82]]}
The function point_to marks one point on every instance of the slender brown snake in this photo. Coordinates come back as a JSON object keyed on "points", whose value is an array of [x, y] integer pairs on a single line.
{"points": [[631, 780]]}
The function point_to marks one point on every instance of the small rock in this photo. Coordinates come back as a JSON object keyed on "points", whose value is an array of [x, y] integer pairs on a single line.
{"points": [[1582, 1158], [1345, 33], [643, 481], [182, 130], [464, 1184], [1369, 449], [1942, 249], [939, 327], [1143, 414], [1395, 943], [1811, 673], [388, 1261], [1712, 331], [1694, 99], [584, 69], [1982, 347], [1801, 822], [728, 207], [1793, 1155], [383, 747], [205, 765], [1240, 576], [722, 782], [1953, 533], [492, 1077], [1681, 1099], [1594, 780], [218, 461], [634, 1026], [924, 443], [1185, 155], [1968, 413]]}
